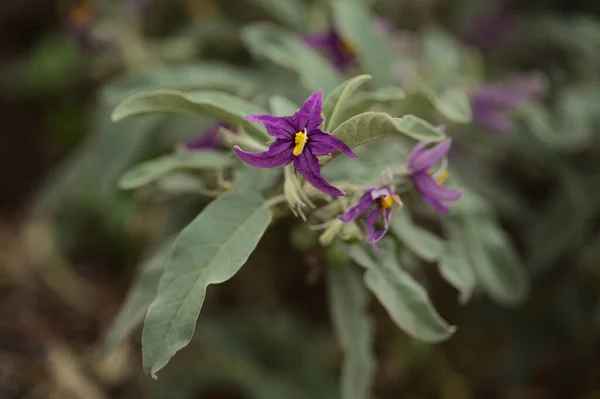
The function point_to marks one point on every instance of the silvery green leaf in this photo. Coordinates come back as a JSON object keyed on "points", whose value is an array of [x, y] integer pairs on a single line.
{"points": [[369, 126], [138, 298], [287, 49], [180, 183], [405, 300], [357, 26], [294, 13], [282, 106], [248, 177], [210, 250], [454, 265], [423, 243], [452, 103], [335, 103], [348, 302], [150, 171], [220, 106], [205, 76]]}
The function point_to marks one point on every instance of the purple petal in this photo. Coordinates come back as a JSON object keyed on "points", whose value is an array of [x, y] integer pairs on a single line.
{"points": [[496, 97], [421, 159], [493, 120], [428, 186], [281, 127], [364, 203], [371, 219], [439, 206], [278, 154], [321, 143], [208, 140], [309, 115], [308, 165]]}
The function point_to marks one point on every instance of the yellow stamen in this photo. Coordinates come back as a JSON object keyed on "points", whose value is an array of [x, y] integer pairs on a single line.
{"points": [[82, 13], [347, 48], [442, 176], [387, 202], [300, 140]]}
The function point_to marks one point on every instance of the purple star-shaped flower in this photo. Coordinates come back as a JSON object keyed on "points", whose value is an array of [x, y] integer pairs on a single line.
{"points": [[420, 162], [339, 52], [298, 139], [208, 140], [493, 103], [378, 203]]}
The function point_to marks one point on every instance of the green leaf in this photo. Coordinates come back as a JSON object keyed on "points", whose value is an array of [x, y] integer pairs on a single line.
{"points": [[454, 265], [405, 300], [210, 250], [291, 12], [336, 102], [452, 103], [389, 96], [357, 26], [369, 126], [247, 177], [139, 297], [205, 76], [282, 106], [220, 106], [423, 243], [150, 171], [348, 302], [287, 49]]}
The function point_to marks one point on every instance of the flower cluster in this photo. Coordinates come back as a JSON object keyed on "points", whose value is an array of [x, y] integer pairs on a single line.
{"points": [[299, 140]]}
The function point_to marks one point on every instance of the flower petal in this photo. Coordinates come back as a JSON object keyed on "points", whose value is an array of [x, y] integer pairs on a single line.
{"points": [[308, 165], [428, 186], [493, 120], [439, 206], [309, 115], [371, 219], [421, 159], [278, 154], [281, 127], [321, 143], [363, 205]]}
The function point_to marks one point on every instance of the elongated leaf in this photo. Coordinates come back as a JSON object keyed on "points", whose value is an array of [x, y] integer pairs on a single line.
{"points": [[150, 171], [205, 76], [291, 12], [248, 177], [452, 103], [281, 106], [357, 25], [210, 250], [220, 106], [335, 102], [289, 50], [454, 265], [370, 126], [348, 301], [139, 298], [389, 96], [405, 300], [423, 243]]}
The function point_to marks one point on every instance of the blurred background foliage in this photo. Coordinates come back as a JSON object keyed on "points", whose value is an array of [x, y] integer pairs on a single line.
{"points": [[71, 243]]}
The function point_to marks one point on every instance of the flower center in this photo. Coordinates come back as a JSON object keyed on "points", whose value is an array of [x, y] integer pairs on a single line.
{"points": [[387, 201], [82, 14], [347, 48], [300, 140], [441, 174]]}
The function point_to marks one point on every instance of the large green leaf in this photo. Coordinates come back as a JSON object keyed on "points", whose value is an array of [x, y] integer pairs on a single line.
{"points": [[291, 12], [369, 126], [152, 170], [139, 298], [452, 103], [220, 106], [348, 302], [282, 106], [454, 265], [357, 26], [405, 300], [335, 103], [423, 243], [205, 76], [210, 250], [289, 50]]}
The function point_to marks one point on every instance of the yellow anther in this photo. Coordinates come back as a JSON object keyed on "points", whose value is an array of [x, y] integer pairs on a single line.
{"points": [[346, 48], [387, 202], [82, 13], [300, 140], [441, 176]]}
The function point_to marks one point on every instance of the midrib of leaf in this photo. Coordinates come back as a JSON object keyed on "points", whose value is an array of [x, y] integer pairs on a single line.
{"points": [[202, 273]]}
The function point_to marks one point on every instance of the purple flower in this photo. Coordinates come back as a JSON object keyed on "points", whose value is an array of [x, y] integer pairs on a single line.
{"points": [[79, 26], [420, 162], [298, 139], [377, 202], [208, 140], [491, 28], [340, 53], [493, 103]]}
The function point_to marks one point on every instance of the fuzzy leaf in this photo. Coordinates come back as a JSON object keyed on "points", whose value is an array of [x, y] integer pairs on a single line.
{"points": [[282, 106], [287, 49], [152, 170], [452, 103], [454, 265], [335, 103], [217, 105], [405, 300], [348, 302], [423, 243], [291, 12], [210, 250]]}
